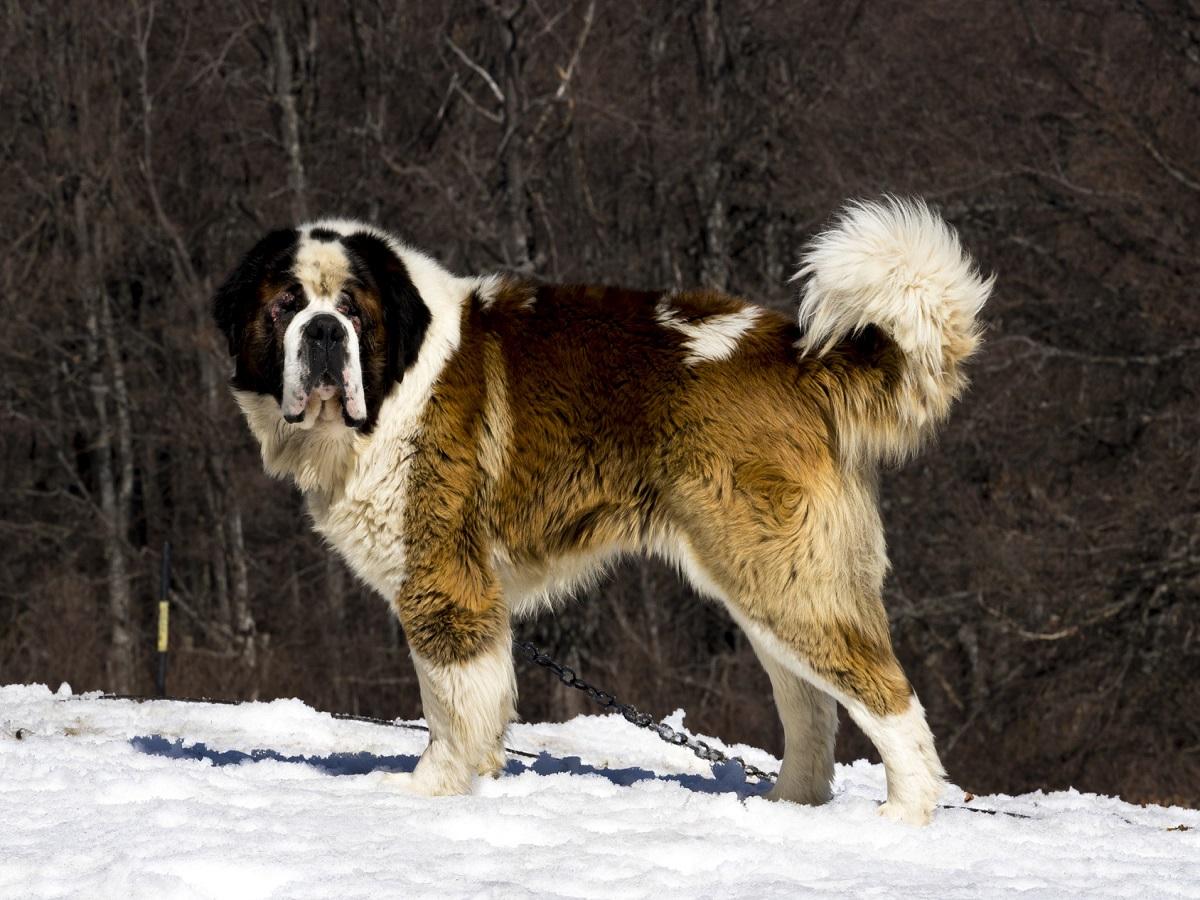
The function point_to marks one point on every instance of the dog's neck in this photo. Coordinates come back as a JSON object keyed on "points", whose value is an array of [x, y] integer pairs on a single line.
{"points": [[317, 458]]}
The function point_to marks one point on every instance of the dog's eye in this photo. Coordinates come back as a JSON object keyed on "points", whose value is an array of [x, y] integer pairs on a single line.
{"points": [[347, 308], [283, 304]]}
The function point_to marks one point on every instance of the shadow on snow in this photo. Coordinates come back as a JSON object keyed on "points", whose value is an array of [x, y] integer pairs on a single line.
{"points": [[726, 778]]}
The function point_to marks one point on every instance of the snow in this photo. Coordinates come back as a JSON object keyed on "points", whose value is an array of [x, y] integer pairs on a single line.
{"points": [[107, 798]]}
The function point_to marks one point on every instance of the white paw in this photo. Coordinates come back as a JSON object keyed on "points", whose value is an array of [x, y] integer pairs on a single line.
{"points": [[810, 796], [399, 781], [909, 815], [428, 783]]}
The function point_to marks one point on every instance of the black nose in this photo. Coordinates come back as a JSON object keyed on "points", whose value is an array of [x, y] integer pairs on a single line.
{"points": [[324, 330]]}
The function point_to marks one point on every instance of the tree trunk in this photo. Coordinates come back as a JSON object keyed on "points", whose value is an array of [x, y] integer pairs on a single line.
{"points": [[285, 96], [114, 473], [519, 246], [715, 262], [667, 270]]}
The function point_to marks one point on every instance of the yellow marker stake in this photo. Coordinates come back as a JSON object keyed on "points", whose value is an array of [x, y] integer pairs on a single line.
{"points": [[164, 616]]}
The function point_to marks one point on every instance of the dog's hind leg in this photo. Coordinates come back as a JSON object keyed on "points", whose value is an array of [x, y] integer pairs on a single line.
{"points": [[865, 677], [809, 717], [915, 777]]}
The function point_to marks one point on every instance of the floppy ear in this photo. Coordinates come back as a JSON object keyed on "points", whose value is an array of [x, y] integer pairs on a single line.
{"points": [[406, 317], [237, 296]]}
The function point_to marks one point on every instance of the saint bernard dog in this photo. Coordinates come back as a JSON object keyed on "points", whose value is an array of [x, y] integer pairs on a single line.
{"points": [[475, 447]]}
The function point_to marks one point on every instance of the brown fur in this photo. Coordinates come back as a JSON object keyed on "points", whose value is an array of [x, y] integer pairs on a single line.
{"points": [[610, 443]]}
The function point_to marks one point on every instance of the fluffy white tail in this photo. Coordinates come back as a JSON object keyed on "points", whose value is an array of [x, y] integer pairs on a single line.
{"points": [[898, 267]]}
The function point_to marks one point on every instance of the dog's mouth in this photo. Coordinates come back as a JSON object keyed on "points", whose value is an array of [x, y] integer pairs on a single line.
{"points": [[327, 390], [325, 405], [324, 401]]}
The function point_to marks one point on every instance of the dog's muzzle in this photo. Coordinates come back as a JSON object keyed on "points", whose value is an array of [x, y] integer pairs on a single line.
{"points": [[325, 345], [323, 365]]}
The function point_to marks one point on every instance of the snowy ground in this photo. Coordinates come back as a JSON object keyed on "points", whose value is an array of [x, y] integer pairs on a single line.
{"points": [[116, 799]]}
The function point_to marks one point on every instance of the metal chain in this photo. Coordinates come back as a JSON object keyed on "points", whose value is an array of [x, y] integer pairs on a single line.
{"points": [[568, 677], [633, 715], [679, 738]]}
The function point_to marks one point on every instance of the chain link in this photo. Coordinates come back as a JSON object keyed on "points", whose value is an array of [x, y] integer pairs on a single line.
{"points": [[632, 714]]}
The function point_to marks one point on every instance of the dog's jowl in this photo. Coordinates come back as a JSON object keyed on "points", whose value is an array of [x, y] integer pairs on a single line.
{"points": [[477, 446]]}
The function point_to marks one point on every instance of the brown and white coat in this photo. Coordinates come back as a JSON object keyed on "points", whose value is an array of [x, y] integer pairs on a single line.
{"points": [[504, 439]]}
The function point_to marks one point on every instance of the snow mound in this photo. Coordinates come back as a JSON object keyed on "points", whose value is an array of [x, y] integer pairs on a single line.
{"points": [[105, 798]]}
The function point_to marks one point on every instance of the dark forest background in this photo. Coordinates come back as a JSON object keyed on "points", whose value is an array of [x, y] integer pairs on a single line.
{"points": [[1046, 549]]}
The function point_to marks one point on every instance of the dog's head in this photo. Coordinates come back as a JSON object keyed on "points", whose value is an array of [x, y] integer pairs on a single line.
{"points": [[323, 318]]}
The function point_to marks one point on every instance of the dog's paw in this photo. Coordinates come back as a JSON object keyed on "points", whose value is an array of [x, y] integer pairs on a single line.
{"points": [[401, 782], [427, 783], [492, 765], [909, 815], [814, 794]]}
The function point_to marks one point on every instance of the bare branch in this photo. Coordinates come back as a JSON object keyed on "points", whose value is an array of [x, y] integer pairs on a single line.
{"points": [[476, 68]]}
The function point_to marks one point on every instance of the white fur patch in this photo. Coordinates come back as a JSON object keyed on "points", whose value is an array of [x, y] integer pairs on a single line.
{"points": [[315, 454], [895, 265], [915, 776], [321, 266], [445, 295], [487, 287], [711, 339]]}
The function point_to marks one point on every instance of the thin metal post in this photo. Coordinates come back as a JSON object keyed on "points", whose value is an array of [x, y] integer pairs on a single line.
{"points": [[164, 620]]}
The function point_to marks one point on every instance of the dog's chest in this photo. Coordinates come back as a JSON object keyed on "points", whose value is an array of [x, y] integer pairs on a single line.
{"points": [[365, 524]]}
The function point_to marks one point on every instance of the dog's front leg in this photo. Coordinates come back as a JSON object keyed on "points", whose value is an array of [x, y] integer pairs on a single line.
{"points": [[458, 632]]}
